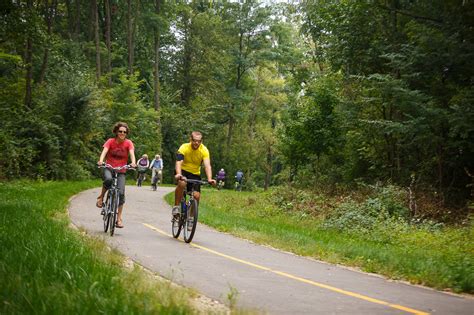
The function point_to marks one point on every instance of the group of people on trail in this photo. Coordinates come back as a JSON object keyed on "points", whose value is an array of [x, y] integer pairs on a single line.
{"points": [[156, 165], [189, 158], [221, 176]]}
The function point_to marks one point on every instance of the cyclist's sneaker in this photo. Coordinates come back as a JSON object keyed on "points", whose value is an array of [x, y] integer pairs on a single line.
{"points": [[190, 224], [102, 212], [175, 211]]}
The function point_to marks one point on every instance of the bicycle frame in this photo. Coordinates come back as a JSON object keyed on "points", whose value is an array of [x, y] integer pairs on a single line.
{"points": [[111, 203], [185, 221]]}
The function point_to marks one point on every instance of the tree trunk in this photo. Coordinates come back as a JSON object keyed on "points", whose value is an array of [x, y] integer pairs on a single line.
{"points": [[187, 56], [77, 21], [107, 40], [157, 60], [70, 21], [253, 108], [130, 36], [240, 71], [28, 62], [49, 21], [97, 39], [269, 166]]}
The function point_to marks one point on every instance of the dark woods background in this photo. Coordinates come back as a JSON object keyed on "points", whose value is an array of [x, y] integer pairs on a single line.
{"points": [[315, 93]]}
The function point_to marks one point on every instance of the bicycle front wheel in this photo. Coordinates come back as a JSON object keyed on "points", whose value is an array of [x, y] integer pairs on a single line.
{"points": [[106, 216], [190, 221], [177, 224], [113, 213], [139, 180]]}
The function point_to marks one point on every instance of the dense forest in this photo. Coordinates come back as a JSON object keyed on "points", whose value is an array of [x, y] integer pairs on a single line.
{"points": [[307, 93]]}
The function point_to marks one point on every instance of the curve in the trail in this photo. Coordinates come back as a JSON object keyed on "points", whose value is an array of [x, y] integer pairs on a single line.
{"points": [[293, 277], [265, 279]]}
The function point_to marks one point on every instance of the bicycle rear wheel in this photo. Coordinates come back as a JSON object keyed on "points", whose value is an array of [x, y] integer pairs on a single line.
{"points": [[113, 213], [190, 221], [177, 224], [106, 216]]}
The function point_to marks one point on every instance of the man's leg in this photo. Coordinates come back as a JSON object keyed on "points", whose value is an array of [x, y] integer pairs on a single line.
{"points": [[178, 192], [178, 195], [160, 176], [153, 178]]}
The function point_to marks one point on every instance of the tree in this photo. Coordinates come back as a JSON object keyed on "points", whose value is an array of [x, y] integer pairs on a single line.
{"points": [[95, 21], [108, 44]]}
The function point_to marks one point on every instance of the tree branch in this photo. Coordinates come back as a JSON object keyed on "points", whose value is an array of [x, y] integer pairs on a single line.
{"points": [[415, 16]]}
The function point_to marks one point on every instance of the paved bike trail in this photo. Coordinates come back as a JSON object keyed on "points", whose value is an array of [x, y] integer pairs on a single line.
{"points": [[256, 277]]}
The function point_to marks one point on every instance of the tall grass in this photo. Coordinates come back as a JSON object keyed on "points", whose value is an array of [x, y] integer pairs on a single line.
{"points": [[441, 257], [46, 267]]}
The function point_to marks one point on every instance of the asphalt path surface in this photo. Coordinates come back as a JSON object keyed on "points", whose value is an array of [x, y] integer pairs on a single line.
{"points": [[256, 277]]}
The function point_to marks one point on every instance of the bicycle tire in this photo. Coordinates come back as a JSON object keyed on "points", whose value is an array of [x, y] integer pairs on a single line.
{"points": [[188, 231], [113, 214], [177, 224], [139, 180], [106, 215]]}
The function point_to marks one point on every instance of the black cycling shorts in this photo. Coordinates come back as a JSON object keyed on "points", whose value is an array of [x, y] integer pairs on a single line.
{"points": [[191, 176]]}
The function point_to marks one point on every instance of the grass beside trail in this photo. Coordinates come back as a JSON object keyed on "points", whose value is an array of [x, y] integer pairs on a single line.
{"points": [[46, 267], [442, 258]]}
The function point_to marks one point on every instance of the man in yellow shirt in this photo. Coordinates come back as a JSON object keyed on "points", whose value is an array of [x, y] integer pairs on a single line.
{"points": [[189, 158]]}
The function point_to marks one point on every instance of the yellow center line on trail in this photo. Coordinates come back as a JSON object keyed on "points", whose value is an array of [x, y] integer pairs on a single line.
{"points": [[287, 275]]}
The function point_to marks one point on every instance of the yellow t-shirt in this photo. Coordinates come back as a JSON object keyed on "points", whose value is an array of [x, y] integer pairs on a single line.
{"points": [[193, 158]]}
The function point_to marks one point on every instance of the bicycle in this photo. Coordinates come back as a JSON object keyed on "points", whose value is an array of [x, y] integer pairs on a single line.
{"points": [[188, 217], [220, 184], [110, 206], [156, 179], [141, 176], [238, 185]]}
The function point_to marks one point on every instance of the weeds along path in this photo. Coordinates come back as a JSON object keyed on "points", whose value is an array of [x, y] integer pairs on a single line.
{"points": [[243, 274]]}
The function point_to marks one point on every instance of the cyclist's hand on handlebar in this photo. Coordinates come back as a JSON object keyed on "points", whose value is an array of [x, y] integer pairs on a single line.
{"points": [[212, 182], [99, 163], [133, 165], [179, 177]]}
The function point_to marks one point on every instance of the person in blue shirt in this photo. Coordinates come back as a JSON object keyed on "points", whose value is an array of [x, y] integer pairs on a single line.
{"points": [[156, 167], [239, 176]]}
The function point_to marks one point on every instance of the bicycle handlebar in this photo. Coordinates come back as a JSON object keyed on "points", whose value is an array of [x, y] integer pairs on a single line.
{"points": [[196, 181], [118, 168]]}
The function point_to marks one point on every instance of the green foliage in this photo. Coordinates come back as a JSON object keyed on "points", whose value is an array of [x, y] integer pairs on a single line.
{"points": [[404, 66], [319, 93], [126, 104]]}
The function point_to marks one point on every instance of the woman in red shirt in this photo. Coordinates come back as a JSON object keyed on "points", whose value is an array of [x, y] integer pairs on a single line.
{"points": [[116, 151]]}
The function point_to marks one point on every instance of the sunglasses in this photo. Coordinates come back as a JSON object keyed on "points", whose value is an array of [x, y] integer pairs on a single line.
{"points": [[122, 131]]}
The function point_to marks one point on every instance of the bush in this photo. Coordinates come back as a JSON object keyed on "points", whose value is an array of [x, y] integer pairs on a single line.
{"points": [[385, 208]]}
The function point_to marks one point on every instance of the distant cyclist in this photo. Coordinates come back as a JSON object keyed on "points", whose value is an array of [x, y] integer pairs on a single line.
{"points": [[116, 151], [220, 178], [142, 165], [239, 176], [156, 167], [189, 158]]}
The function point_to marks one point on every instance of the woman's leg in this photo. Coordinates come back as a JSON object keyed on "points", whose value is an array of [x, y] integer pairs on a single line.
{"points": [[107, 175], [121, 187]]}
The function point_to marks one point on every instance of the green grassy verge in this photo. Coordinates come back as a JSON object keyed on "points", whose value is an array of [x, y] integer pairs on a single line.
{"points": [[441, 258], [46, 267]]}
